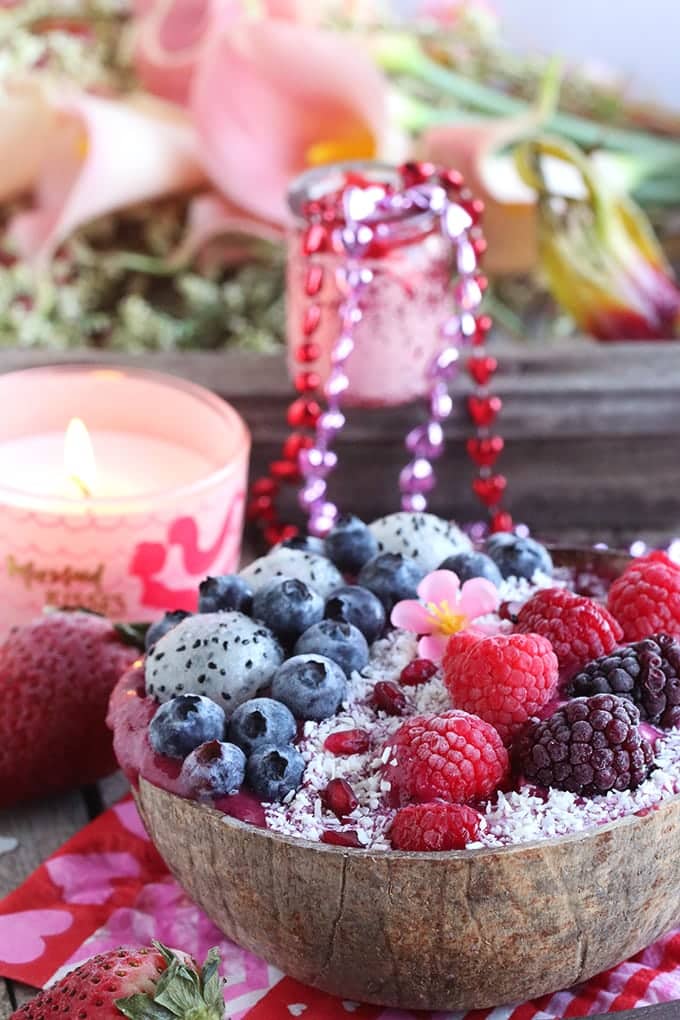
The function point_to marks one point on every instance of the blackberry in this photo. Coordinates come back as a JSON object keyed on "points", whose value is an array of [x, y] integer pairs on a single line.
{"points": [[646, 673], [589, 746]]}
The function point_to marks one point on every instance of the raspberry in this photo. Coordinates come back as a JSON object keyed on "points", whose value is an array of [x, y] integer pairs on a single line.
{"points": [[504, 679], [646, 599], [578, 628], [453, 756], [646, 673], [458, 645], [589, 746], [436, 826]]}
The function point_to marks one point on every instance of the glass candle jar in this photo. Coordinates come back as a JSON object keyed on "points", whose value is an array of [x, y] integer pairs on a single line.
{"points": [[403, 306], [130, 517]]}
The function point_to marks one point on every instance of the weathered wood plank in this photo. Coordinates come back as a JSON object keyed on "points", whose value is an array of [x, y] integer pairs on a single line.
{"points": [[39, 828], [6, 1005], [592, 430], [112, 789]]}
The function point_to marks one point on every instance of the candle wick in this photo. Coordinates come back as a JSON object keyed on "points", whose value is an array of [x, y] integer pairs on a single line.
{"points": [[80, 484]]}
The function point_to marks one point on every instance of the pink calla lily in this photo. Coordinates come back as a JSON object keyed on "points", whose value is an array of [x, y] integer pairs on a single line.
{"points": [[444, 607], [171, 36], [26, 122], [104, 155], [272, 98], [212, 218]]}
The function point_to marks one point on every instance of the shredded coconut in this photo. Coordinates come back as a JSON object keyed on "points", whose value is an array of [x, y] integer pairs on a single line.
{"points": [[515, 817]]}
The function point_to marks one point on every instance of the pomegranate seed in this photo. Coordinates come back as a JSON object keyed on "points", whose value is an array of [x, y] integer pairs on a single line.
{"points": [[418, 672], [339, 797], [347, 742], [388, 698], [509, 611], [349, 838]]}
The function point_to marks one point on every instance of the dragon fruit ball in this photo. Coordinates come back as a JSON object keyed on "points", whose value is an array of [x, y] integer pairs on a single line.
{"points": [[317, 572], [425, 538], [226, 657]]}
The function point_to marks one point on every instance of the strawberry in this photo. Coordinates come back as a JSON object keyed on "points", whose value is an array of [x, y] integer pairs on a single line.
{"points": [[143, 984], [56, 675]]}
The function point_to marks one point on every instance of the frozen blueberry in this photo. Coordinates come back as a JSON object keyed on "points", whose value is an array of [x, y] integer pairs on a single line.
{"points": [[392, 577], [162, 626], [311, 686], [288, 607], [518, 557], [304, 543], [274, 771], [341, 642], [229, 591], [183, 723], [359, 606], [473, 564], [350, 544], [261, 722], [215, 769]]}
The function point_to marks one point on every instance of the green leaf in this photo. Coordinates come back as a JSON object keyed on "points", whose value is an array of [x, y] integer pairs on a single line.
{"points": [[132, 634], [141, 1007]]}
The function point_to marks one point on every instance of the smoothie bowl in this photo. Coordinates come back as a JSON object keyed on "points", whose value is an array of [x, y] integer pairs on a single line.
{"points": [[472, 804]]}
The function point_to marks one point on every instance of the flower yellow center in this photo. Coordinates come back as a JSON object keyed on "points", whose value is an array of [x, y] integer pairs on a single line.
{"points": [[448, 620], [360, 144]]}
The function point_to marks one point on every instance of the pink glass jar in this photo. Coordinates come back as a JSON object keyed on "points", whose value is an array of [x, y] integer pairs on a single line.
{"points": [[164, 502], [403, 307]]}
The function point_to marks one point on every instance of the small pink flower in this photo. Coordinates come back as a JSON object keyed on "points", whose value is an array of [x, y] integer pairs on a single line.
{"points": [[444, 608]]}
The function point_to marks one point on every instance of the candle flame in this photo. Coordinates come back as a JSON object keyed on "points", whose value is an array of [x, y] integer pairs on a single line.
{"points": [[79, 460]]}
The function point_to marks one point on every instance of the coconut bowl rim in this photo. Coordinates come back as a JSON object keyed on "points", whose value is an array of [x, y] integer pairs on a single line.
{"points": [[559, 552]]}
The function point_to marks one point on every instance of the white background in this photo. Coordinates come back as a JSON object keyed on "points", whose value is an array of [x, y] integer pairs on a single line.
{"points": [[639, 37]]}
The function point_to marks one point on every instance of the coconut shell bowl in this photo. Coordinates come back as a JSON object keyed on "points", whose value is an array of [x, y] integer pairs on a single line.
{"points": [[438, 931]]}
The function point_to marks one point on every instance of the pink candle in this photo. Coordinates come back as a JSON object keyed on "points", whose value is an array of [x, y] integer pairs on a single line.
{"points": [[143, 501]]}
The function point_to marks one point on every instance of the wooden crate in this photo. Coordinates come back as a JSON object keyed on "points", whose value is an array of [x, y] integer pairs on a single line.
{"points": [[592, 431]]}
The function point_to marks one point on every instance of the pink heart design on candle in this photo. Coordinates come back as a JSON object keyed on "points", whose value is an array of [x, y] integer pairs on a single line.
{"points": [[22, 936], [88, 878]]}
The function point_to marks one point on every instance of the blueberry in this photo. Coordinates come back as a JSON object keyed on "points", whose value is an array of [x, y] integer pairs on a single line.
{"points": [[392, 577], [341, 642], [274, 771], [518, 557], [215, 769], [473, 564], [288, 607], [350, 544], [311, 686], [229, 591], [162, 626], [261, 722], [183, 723], [360, 607], [304, 543]]}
